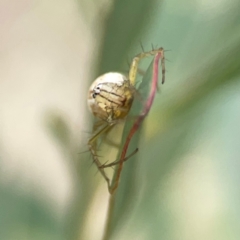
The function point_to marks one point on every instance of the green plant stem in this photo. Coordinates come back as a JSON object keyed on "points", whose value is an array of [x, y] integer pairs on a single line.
{"points": [[133, 130], [111, 203]]}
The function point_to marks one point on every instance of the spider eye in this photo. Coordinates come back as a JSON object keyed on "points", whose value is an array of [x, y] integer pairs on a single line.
{"points": [[94, 95]]}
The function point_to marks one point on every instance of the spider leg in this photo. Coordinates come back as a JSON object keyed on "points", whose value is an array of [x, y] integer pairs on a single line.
{"points": [[92, 148], [135, 62], [118, 161]]}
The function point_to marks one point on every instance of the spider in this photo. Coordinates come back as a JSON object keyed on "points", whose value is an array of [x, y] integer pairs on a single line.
{"points": [[110, 99]]}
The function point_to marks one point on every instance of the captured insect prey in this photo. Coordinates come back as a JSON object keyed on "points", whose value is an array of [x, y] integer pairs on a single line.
{"points": [[110, 99]]}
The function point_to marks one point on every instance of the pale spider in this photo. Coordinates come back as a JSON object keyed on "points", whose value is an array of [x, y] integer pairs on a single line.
{"points": [[110, 99]]}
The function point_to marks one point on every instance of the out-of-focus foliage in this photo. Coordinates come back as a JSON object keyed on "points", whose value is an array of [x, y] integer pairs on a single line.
{"points": [[184, 182], [25, 217]]}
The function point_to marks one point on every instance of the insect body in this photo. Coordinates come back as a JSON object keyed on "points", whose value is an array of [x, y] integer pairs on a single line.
{"points": [[110, 99]]}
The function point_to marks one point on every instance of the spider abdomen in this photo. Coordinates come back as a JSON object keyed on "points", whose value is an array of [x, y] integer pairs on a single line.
{"points": [[110, 96]]}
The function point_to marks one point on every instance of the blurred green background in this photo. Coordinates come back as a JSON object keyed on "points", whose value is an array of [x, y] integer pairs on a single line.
{"points": [[183, 183]]}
